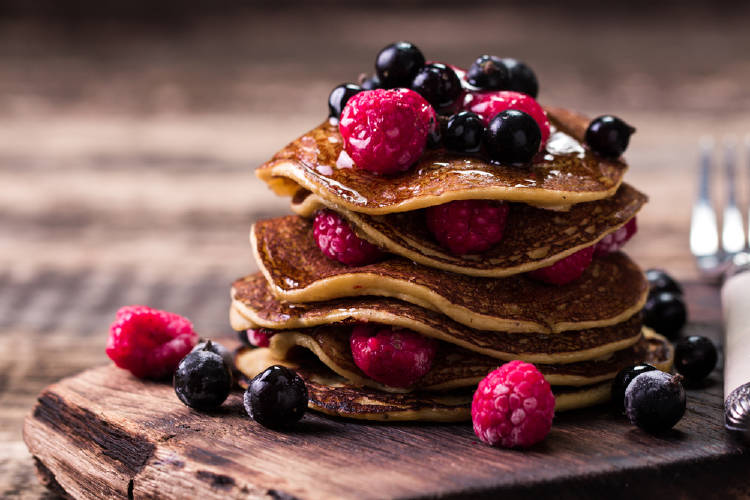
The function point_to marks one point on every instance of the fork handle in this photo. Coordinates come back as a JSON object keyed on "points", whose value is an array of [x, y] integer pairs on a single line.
{"points": [[735, 299]]}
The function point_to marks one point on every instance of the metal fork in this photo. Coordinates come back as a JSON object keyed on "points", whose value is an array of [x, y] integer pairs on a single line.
{"points": [[715, 255], [727, 258]]}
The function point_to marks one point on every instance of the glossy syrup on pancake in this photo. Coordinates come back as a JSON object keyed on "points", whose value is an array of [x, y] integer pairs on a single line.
{"points": [[611, 290], [253, 306], [564, 173], [532, 237]]}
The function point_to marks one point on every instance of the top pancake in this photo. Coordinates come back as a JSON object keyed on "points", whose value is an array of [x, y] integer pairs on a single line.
{"points": [[565, 173], [611, 290]]}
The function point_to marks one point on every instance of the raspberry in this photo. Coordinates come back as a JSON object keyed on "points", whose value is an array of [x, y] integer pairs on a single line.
{"points": [[392, 357], [566, 270], [615, 241], [337, 241], [149, 342], [468, 226], [513, 406], [259, 337], [488, 104], [385, 131]]}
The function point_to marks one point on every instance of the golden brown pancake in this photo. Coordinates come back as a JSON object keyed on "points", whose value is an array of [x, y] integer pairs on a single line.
{"points": [[332, 395], [253, 306], [533, 237], [453, 366], [564, 173], [610, 291]]}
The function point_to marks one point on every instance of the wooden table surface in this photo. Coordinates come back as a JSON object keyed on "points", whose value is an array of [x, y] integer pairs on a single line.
{"points": [[126, 152]]}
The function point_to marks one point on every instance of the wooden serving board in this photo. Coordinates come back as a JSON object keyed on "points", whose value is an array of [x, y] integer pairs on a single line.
{"points": [[105, 434]]}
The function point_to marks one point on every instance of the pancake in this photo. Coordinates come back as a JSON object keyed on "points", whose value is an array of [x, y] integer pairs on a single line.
{"points": [[332, 395], [564, 173], [253, 306], [609, 292], [532, 237], [453, 366]]}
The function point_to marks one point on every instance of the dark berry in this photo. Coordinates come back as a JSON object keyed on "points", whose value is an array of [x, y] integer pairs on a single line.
{"points": [[370, 83], [694, 358], [464, 132], [489, 73], [660, 281], [217, 349], [621, 382], [520, 77], [339, 96], [398, 64], [244, 340], [608, 136], [512, 137], [655, 401], [665, 312], [435, 132], [438, 84], [202, 380], [276, 398]]}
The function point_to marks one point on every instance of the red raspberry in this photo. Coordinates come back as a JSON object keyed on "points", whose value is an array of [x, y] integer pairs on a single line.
{"points": [[615, 241], [385, 131], [566, 270], [488, 104], [392, 357], [513, 406], [259, 337], [149, 342], [337, 241], [468, 226]]}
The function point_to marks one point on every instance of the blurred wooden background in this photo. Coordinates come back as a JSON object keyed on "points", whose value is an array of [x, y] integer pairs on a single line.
{"points": [[128, 138]]}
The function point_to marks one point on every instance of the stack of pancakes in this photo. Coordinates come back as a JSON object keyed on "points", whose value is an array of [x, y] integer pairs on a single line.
{"points": [[482, 309]]}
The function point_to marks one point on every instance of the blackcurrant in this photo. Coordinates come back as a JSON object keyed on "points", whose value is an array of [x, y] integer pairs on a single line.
{"points": [[202, 380], [660, 281], [339, 96], [464, 132], [276, 398], [489, 73], [370, 83], [216, 348], [438, 84], [520, 77], [655, 401], [608, 136], [694, 358], [398, 64], [665, 312], [512, 137], [621, 382]]}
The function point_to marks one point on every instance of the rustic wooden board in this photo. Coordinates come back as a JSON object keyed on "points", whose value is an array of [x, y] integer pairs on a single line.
{"points": [[105, 434]]}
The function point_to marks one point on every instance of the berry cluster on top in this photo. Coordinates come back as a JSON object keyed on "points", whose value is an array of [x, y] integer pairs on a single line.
{"points": [[408, 105]]}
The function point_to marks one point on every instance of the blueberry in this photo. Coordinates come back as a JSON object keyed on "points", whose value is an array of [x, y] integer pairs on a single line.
{"points": [[339, 96], [202, 380], [464, 132], [660, 281], [489, 73], [608, 136], [621, 382], [276, 398], [398, 64], [242, 336], [512, 137], [438, 84], [665, 312], [694, 358], [217, 349], [521, 78], [370, 83], [435, 133], [655, 401]]}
